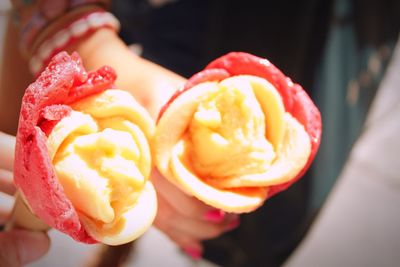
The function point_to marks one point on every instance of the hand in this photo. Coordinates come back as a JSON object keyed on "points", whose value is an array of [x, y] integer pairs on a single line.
{"points": [[7, 144], [186, 220], [17, 247]]}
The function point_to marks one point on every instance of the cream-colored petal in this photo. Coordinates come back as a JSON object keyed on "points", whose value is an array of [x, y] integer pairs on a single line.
{"points": [[270, 101], [239, 201], [138, 220], [75, 122], [291, 159], [121, 124], [115, 102], [85, 188], [103, 160], [174, 122], [175, 157]]}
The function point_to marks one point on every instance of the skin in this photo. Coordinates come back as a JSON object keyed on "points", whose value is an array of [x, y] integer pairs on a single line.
{"points": [[181, 217], [17, 247], [13, 81]]}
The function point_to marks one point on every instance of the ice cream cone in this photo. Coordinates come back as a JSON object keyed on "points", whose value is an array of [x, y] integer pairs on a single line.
{"points": [[22, 217], [238, 132], [82, 156]]}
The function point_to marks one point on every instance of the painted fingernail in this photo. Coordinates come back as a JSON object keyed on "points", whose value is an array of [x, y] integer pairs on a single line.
{"points": [[194, 253], [215, 216], [232, 225]]}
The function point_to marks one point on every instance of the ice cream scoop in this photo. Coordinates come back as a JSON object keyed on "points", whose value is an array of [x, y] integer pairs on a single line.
{"points": [[239, 132], [82, 158]]}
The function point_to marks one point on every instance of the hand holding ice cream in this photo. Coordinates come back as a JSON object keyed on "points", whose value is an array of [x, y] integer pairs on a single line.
{"points": [[239, 132], [82, 161]]}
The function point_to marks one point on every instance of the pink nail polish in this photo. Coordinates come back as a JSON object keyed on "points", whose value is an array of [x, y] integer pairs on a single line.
{"points": [[215, 216], [194, 253]]}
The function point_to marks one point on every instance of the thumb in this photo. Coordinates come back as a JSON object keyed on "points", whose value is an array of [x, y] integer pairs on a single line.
{"points": [[19, 247]]}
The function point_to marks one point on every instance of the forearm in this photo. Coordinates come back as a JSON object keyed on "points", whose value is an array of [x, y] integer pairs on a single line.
{"points": [[150, 84], [98, 44], [14, 78]]}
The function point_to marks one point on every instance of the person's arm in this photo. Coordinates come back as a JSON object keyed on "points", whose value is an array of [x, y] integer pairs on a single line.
{"points": [[151, 84], [14, 78], [184, 219], [92, 32]]}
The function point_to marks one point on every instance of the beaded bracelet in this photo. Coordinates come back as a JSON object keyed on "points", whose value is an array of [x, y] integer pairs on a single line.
{"points": [[64, 37], [33, 16]]}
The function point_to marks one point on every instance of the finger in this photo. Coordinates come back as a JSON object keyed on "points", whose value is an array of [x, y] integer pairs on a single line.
{"points": [[7, 145], [188, 205], [4, 216], [180, 201], [19, 247], [6, 182], [164, 221], [176, 224]]}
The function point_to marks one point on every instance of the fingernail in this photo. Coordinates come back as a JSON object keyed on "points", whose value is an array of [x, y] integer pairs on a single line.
{"points": [[194, 253], [232, 225], [215, 216]]}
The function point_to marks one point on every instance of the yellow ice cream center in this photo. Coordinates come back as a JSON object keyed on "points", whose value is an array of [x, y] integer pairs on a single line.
{"points": [[227, 134], [101, 161], [227, 142], [99, 174]]}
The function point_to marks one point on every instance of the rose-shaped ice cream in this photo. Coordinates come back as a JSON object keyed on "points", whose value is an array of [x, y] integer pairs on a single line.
{"points": [[82, 161], [239, 132]]}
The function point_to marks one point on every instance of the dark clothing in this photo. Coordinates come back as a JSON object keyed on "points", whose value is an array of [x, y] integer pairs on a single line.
{"points": [[186, 35]]}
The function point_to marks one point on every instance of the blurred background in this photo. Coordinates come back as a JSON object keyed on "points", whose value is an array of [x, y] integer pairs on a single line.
{"points": [[341, 52]]}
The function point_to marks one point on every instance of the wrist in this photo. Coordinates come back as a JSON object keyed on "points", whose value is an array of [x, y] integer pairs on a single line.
{"points": [[67, 30], [148, 82]]}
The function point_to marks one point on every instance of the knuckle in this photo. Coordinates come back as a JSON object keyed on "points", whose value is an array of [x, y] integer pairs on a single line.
{"points": [[9, 253], [213, 231]]}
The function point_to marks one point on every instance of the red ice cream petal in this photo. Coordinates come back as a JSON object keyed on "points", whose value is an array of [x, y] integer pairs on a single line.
{"points": [[295, 99], [45, 102]]}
